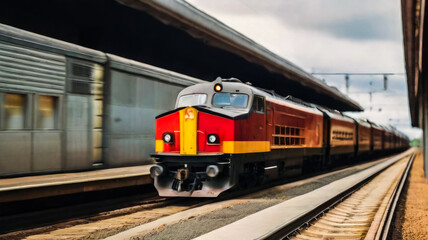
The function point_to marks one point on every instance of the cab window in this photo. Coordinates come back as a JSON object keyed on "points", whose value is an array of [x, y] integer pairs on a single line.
{"points": [[230, 99], [258, 104], [192, 100]]}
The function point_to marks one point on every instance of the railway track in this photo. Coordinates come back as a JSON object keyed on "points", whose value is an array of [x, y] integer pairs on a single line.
{"points": [[95, 219], [364, 213], [34, 223], [105, 218], [182, 225]]}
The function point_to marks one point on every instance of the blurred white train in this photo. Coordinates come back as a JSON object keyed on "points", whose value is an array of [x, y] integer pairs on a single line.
{"points": [[64, 107]]}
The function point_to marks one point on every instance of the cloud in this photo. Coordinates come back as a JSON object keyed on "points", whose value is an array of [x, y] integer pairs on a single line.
{"points": [[325, 35], [358, 19], [325, 53], [320, 51], [361, 28]]}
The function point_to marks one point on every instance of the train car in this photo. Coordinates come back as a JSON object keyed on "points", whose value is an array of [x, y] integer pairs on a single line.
{"points": [[64, 107], [295, 129], [226, 132], [404, 142], [135, 94], [397, 139], [377, 144], [388, 137], [341, 136], [401, 141], [363, 136]]}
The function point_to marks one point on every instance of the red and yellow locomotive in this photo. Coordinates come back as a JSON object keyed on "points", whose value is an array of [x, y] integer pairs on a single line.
{"points": [[226, 132]]}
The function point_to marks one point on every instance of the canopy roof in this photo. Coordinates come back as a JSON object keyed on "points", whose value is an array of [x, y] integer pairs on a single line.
{"points": [[213, 32]]}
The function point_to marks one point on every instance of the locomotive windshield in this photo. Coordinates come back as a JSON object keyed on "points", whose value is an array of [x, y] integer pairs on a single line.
{"points": [[192, 100], [230, 99]]}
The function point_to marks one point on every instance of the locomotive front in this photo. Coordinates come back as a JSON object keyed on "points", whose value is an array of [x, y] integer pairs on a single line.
{"points": [[195, 142]]}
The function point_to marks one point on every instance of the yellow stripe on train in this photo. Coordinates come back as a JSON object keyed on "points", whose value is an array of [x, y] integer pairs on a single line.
{"points": [[188, 131], [245, 146], [159, 146]]}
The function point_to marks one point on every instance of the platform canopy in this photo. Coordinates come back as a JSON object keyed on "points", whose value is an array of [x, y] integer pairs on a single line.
{"points": [[415, 35], [213, 32], [173, 35]]}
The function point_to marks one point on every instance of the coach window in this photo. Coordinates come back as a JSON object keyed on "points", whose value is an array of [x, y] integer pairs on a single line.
{"points": [[47, 112], [258, 104], [14, 108]]}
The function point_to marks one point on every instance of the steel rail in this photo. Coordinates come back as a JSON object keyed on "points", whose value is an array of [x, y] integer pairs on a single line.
{"points": [[49, 214], [304, 220], [385, 226]]}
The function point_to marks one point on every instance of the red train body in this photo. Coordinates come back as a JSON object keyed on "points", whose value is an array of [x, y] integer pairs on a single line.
{"points": [[226, 132]]}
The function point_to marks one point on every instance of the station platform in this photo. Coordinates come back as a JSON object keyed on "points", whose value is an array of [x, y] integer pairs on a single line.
{"points": [[49, 185]]}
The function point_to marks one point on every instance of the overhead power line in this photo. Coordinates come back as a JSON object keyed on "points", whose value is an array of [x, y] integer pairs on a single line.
{"points": [[371, 90]]}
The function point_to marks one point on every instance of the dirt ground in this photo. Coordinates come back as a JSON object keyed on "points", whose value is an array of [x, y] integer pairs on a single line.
{"points": [[411, 220]]}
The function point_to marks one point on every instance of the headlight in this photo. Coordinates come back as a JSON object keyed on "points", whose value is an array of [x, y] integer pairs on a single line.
{"points": [[156, 170], [212, 171], [218, 87], [168, 138], [213, 139]]}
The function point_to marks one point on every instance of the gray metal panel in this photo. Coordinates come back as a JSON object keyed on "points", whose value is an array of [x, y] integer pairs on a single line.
{"points": [[130, 149], [135, 102], [77, 133], [46, 151], [77, 157], [15, 152], [86, 78], [139, 68], [31, 70], [33, 40], [123, 89]]}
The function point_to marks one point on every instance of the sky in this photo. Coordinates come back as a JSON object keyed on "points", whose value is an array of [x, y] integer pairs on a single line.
{"points": [[332, 36]]}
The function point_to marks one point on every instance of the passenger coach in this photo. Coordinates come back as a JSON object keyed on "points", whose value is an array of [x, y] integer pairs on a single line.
{"points": [[64, 107]]}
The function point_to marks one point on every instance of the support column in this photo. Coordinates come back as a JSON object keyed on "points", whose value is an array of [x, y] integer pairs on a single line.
{"points": [[424, 106]]}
